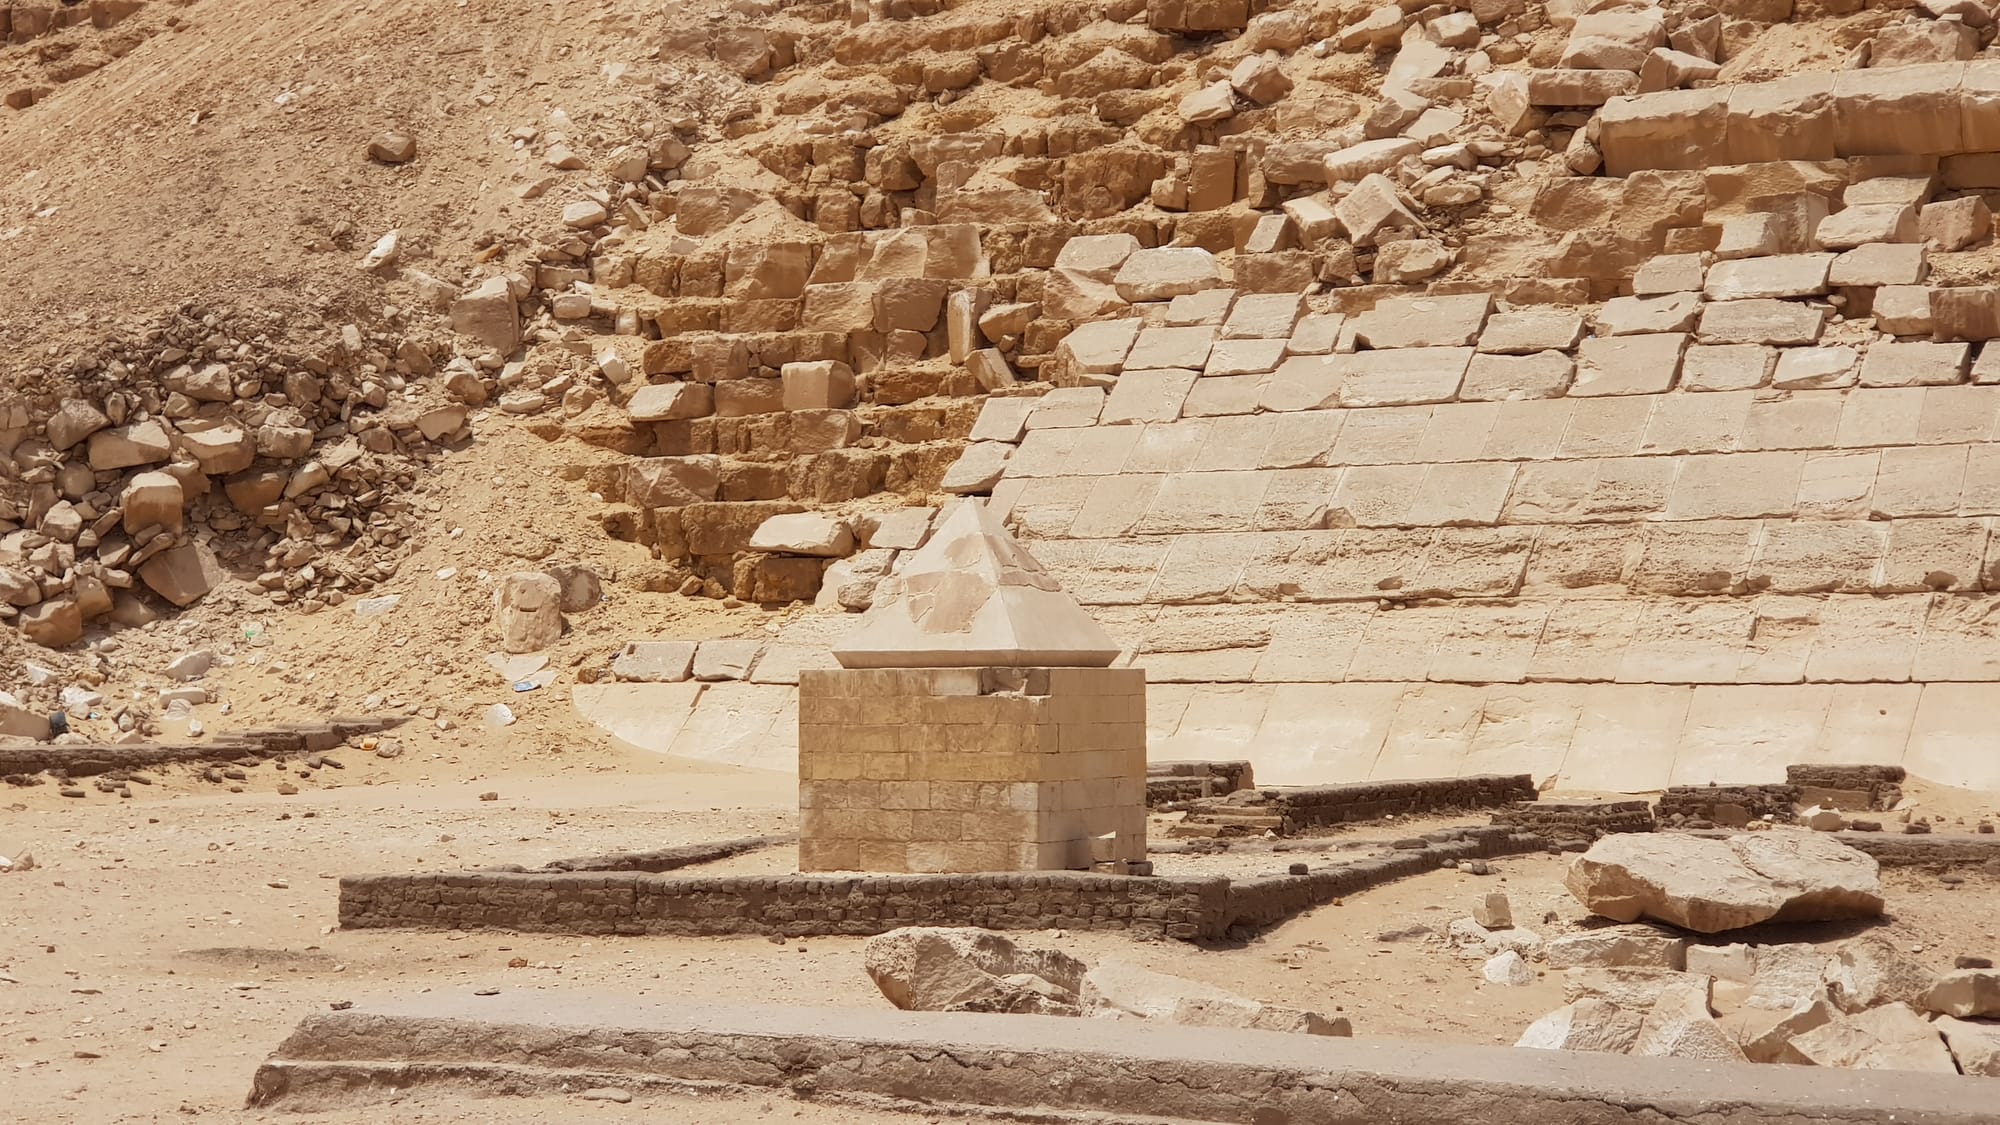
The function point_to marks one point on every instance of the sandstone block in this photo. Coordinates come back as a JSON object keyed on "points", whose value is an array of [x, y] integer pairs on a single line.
{"points": [[1357, 162], [1099, 347], [1713, 885], [1373, 208], [1424, 322], [1641, 946], [221, 449], [667, 402], [1755, 235], [1679, 1026], [1096, 256], [489, 315], [1504, 378], [1912, 110], [153, 500], [1892, 1037], [182, 575], [1955, 224], [1966, 313], [1975, 1046], [1631, 316], [122, 447], [52, 623], [1402, 376], [1670, 130], [654, 662], [1727, 367], [73, 421], [1614, 40], [1783, 275], [1162, 274], [1588, 1024], [1903, 310], [527, 611], [1579, 86], [930, 969], [1870, 222], [1803, 369], [1915, 364], [1761, 321], [804, 533], [826, 384], [1878, 264], [1628, 365], [1670, 273], [1963, 993], [1157, 348]]}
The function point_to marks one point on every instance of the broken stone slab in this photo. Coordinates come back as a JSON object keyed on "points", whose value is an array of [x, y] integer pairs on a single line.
{"points": [[1670, 273], [972, 597], [1096, 256], [804, 533], [1633, 946], [979, 467], [1100, 347], [1474, 942], [1113, 987], [1423, 322], [1587, 1024], [1710, 886], [1955, 224], [1166, 273], [1679, 1025], [1774, 1044], [1781, 275], [1374, 208], [719, 660], [1211, 1011], [1963, 993], [1527, 331], [1890, 1037], [938, 969], [1356, 162], [1576, 86], [1870, 222], [1633, 987], [1974, 1045], [654, 662], [1804, 369], [1409, 260], [1003, 419], [667, 402], [1632, 316]]}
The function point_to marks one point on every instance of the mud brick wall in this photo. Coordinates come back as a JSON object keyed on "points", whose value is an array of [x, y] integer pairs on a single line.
{"points": [[1927, 850], [1876, 788], [1573, 819], [1342, 804], [789, 906], [1701, 802], [82, 759], [1257, 903], [1169, 783]]}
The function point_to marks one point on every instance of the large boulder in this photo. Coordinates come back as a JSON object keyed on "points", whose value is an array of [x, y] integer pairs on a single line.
{"points": [[1710, 885], [935, 969]]}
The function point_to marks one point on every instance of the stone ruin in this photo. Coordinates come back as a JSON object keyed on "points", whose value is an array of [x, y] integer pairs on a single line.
{"points": [[974, 724]]}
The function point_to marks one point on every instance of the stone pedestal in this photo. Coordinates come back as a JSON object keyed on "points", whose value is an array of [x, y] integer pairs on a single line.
{"points": [[971, 769]]}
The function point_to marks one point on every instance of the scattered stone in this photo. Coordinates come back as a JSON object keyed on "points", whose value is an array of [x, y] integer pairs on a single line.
{"points": [[393, 148], [527, 611], [1870, 971], [1964, 993], [1890, 1037], [933, 969], [1636, 946], [1509, 969], [1588, 1024], [1494, 912], [606, 1094], [1680, 1026]]}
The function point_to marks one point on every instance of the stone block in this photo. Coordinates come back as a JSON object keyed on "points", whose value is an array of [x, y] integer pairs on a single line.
{"points": [[1510, 377], [1726, 367], [1760, 322], [1672, 129], [1915, 364], [1869, 222], [1098, 348], [1373, 208], [1067, 407], [1402, 376], [1142, 396], [1528, 331], [1165, 273], [1158, 348], [1899, 111], [1576, 86], [1787, 119], [1424, 322], [1632, 316], [1955, 224], [1969, 313], [1628, 365], [1815, 368], [1880, 263], [1264, 316], [1903, 310], [1670, 273], [1783, 275]]}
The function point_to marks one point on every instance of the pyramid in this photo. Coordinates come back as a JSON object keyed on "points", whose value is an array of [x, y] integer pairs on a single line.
{"points": [[972, 597]]}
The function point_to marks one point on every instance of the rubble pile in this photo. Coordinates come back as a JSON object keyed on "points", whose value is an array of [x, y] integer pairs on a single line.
{"points": [[143, 474]]}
